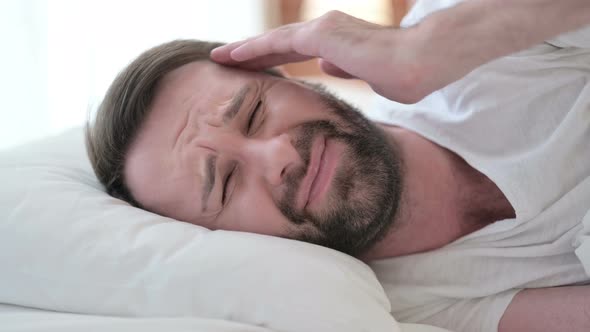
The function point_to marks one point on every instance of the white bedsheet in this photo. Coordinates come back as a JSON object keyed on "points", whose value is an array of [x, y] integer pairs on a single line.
{"points": [[21, 319]]}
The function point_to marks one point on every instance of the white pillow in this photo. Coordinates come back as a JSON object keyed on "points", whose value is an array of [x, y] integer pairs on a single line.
{"points": [[21, 319], [66, 245]]}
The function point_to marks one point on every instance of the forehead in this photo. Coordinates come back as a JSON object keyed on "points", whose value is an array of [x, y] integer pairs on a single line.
{"points": [[203, 79]]}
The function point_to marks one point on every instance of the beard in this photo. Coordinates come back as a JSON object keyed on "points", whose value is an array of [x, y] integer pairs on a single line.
{"points": [[365, 191]]}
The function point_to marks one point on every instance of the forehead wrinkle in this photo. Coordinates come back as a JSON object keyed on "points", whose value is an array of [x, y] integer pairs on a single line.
{"points": [[184, 123]]}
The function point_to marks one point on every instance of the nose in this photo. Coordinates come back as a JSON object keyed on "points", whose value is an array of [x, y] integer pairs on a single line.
{"points": [[270, 158]]}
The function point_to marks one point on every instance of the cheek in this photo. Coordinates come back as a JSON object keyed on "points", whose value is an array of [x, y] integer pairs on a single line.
{"points": [[253, 210]]}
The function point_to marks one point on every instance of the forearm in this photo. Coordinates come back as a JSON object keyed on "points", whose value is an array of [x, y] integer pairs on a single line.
{"points": [[406, 65], [561, 309], [489, 29], [457, 40]]}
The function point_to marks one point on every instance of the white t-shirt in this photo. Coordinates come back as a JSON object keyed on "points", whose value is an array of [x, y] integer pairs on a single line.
{"points": [[524, 121]]}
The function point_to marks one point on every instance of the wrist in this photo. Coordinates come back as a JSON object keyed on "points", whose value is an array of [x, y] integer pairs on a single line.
{"points": [[403, 72], [450, 43], [418, 60]]}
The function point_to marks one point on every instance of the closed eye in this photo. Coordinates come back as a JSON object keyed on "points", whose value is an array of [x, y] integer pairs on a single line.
{"points": [[253, 116], [225, 186]]}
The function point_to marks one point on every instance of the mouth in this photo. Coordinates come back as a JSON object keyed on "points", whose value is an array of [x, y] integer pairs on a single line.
{"points": [[322, 167], [328, 162], [305, 189]]}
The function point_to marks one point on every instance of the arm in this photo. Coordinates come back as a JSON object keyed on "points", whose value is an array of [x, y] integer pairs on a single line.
{"points": [[407, 64], [548, 309], [476, 32]]}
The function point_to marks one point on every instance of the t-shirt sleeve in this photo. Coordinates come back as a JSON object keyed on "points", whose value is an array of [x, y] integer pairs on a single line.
{"points": [[576, 39], [422, 8], [478, 314]]}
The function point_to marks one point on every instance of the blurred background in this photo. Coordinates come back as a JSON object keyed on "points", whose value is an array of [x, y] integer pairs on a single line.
{"points": [[59, 56]]}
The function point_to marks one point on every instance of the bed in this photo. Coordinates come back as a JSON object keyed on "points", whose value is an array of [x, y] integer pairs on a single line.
{"points": [[74, 258]]}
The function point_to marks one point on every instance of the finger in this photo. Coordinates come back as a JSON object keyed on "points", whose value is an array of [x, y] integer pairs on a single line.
{"points": [[278, 41], [221, 54], [272, 60], [333, 70], [258, 47]]}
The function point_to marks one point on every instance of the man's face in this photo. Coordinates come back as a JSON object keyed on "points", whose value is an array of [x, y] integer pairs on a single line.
{"points": [[244, 151]]}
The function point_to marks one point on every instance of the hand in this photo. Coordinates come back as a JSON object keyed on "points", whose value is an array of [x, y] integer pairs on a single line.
{"points": [[406, 65], [347, 47]]}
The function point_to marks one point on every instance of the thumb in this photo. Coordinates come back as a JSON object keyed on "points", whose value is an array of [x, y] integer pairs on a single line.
{"points": [[331, 69]]}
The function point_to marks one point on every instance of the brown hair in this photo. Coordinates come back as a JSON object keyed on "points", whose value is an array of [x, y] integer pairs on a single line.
{"points": [[126, 105]]}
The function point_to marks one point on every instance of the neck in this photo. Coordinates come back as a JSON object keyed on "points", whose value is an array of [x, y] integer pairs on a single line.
{"points": [[437, 205]]}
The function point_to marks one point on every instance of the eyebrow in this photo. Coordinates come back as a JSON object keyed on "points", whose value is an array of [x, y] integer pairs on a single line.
{"points": [[209, 180], [232, 110], [235, 105]]}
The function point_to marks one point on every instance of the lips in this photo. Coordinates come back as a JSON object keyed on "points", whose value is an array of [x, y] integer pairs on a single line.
{"points": [[329, 161], [317, 151], [322, 177]]}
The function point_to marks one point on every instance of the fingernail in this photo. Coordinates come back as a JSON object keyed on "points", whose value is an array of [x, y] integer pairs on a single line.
{"points": [[237, 55], [215, 53]]}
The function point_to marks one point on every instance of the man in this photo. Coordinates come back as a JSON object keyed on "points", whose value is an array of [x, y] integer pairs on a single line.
{"points": [[471, 207]]}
